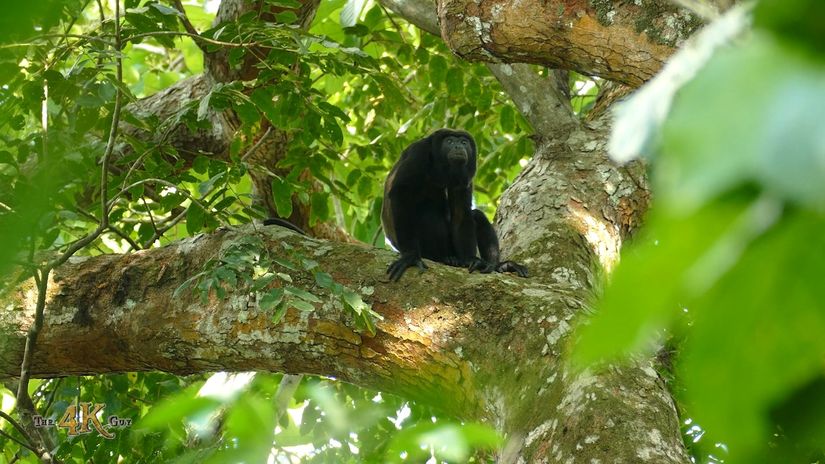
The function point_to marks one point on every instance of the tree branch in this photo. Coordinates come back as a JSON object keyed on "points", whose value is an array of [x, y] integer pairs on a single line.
{"points": [[536, 98], [182, 335], [621, 41], [184, 19]]}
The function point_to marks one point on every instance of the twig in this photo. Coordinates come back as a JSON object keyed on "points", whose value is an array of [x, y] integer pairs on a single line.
{"points": [[257, 144], [159, 233], [110, 146], [100, 10], [397, 27], [25, 407], [375, 236], [52, 396], [168, 184], [188, 24], [19, 442], [17, 426], [113, 229], [149, 212], [196, 37], [24, 402]]}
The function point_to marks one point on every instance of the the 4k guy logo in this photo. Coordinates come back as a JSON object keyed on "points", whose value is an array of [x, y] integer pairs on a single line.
{"points": [[82, 418]]}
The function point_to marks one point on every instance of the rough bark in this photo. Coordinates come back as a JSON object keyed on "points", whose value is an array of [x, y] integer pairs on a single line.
{"points": [[116, 313], [622, 41], [590, 207]]}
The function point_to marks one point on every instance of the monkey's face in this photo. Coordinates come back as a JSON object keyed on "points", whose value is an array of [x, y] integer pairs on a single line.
{"points": [[457, 150]]}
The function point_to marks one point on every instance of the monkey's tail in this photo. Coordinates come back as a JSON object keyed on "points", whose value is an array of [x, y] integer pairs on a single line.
{"points": [[283, 223]]}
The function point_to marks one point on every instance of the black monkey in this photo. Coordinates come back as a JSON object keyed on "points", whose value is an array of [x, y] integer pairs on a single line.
{"points": [[428, 209]]}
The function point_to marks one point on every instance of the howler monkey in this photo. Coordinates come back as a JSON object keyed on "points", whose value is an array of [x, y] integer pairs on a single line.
{"points": [[428, 209]]}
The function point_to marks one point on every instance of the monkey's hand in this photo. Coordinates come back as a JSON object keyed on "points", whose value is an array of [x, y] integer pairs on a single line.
{"points": [[478, 264], [397, 268], [512, 266]]}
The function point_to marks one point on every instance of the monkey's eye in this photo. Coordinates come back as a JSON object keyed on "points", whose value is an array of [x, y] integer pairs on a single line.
{"points": [[465, 142]]}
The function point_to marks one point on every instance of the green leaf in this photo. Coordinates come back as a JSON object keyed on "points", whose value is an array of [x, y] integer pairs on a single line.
{"points": [[354, 301], [250, 425], [262, 282], [163, 9], [301, 305], [367, 323], [282, 193], [173, 409], [449, 441], [206, 187], [323, 279], [195, 219], [286, 17], [365, 186], [333, 111], [757, 336], [438, 70], [352, 177], [271, 299], [303, 294], [227, 275], [285, 263], [631, 311], [455, 83], [333, 131], [262, 99], [351, 11], [200, 164], [422, 56], [279, 312], [358, 30], [186, 284], [106, 91], [89, 101], [246, 111], [507, 118], [320, 207], [374, 16], [783, 18], [235, 57], [761, 107]]}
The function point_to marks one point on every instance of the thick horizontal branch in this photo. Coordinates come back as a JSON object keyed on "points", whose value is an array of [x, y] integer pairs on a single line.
{"points": [[117, 313], [622, 41]]}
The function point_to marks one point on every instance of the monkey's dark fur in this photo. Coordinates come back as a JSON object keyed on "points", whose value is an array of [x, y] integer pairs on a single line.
{"points": [[428, 212]]}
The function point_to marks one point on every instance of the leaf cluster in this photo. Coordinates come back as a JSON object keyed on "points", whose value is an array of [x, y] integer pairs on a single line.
{"points": [[730, 263]]}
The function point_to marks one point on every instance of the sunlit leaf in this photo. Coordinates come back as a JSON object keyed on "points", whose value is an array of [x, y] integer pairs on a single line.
{"points": [[271, 299], [714, 142], [352, 9]]}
